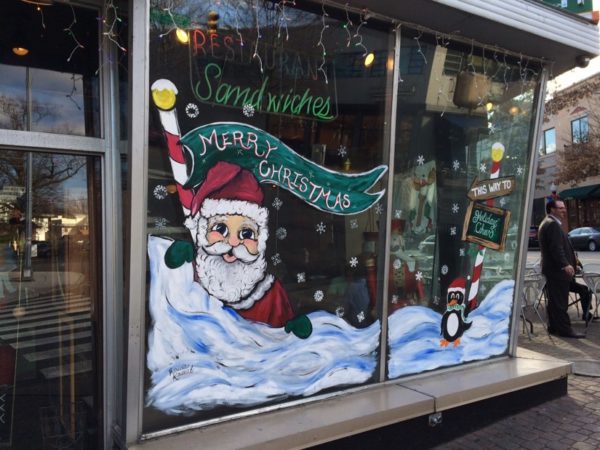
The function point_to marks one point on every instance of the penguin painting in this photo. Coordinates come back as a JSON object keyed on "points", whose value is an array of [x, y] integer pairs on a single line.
{"points": [[454, 322]]}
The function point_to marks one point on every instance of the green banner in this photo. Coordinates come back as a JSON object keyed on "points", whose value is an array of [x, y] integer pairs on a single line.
{"points": [[272, 161]]}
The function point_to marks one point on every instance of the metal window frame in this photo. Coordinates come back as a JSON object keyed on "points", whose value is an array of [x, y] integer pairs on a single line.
{"points": [[138, 181], [106, 148]]}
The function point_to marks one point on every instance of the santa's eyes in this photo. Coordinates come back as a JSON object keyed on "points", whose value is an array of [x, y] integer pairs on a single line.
{"points": [[247, 233], [220, 228]]}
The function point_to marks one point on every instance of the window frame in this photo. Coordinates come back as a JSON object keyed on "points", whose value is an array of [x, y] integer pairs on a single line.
{"points": [[579, 139]]}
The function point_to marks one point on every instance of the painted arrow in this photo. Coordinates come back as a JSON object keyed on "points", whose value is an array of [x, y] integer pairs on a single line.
{"points": [[492, 188]]}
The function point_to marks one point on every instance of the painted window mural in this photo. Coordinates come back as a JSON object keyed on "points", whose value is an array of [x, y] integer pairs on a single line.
{"points": [[270, 132], [462, 148], [267, 180]]}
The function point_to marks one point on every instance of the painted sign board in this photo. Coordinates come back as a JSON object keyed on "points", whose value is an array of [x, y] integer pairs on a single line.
{"points": [[486, 226]]}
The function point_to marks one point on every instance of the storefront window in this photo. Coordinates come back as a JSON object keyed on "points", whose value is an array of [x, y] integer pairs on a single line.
{"points": [[266, 184], [462, 145], [50, 297], [49, 69]]}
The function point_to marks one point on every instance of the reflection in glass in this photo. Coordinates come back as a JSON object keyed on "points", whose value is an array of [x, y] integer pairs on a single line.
{"points": [[329, 109], [49, 292], [54, 87], [467, 121]]}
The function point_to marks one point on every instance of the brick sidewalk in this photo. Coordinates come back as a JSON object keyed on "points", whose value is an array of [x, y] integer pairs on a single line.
{"points": [[572, 421]]}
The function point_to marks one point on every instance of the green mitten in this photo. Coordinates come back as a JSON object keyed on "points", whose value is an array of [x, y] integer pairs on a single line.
{"points": [[300, 326], [179, 253]]}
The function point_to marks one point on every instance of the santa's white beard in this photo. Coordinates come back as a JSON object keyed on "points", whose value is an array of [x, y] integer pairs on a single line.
{"points": [[230, 282]]}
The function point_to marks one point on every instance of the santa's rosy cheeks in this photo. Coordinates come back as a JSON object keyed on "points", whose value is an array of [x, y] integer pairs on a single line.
{"points": [[235, 230]]}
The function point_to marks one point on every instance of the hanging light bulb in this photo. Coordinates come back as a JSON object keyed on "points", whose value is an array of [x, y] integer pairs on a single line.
{"points": [[182, 36], [20, 51], [369, 59]]}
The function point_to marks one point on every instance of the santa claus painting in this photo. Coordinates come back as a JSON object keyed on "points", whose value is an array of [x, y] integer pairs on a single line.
{"points": [[230, 229]]}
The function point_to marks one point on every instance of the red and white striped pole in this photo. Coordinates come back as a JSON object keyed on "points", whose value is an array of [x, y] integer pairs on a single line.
{"points": [[164, 94], [497, 155]]}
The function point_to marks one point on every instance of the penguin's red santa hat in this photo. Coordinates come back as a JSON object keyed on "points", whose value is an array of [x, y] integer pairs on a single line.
{"points": [[458, 285], [228, 189]]}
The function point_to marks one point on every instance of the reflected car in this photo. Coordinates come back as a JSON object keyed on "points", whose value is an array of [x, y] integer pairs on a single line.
{"points": [[427, 245], [585, 238], [533, 237]]}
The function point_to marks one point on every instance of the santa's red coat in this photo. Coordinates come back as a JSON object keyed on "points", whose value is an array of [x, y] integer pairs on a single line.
{"points": [[273, 308]]}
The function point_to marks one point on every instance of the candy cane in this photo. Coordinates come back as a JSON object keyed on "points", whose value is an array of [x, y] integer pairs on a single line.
{"points": [[164, 94], [497, 155]]}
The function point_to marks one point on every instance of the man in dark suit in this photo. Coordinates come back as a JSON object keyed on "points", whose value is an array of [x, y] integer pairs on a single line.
{"points": [[559, 264]]}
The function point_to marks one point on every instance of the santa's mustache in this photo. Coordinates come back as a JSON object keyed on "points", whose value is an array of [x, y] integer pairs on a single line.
{"points": [[222, 248]]}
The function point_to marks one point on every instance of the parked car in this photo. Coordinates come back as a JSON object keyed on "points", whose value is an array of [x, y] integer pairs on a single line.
{"points": [[533, 237], [585, 238], [427, 245]]}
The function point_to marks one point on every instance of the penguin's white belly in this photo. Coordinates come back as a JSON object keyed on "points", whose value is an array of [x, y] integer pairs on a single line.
{"points": [[452, 324]]}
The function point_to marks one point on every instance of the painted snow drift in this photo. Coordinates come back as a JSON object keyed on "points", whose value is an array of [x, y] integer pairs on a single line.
{"points": [[202, 354], [414, 335]]}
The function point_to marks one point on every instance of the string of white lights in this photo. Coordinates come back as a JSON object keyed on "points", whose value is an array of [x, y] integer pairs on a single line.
{"points": [[69, 31], [321, 67]]}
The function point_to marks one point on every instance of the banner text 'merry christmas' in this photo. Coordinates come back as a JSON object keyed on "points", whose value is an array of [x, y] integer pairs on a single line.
{"points": [[214, 90], [293, 179]]}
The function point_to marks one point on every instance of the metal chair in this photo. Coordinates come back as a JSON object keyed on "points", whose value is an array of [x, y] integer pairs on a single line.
{"points": [[531, 297], [592, 280]]}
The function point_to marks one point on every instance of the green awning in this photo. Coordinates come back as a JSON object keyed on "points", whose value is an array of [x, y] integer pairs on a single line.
{"points": [[583, 192]]}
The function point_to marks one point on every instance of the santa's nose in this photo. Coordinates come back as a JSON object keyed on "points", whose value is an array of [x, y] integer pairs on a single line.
{"points": [[233, 240]]}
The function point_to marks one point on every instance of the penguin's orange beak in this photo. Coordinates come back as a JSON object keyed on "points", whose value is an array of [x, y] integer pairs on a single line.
{"points": [[452, 303]]}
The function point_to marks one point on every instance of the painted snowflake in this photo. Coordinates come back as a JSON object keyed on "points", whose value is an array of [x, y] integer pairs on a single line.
{"points": [[342, 151], [455, 164], [461, 252], [353, 261], [277, 203], [354, 224], [248, 110], [502, 201], [397, 264], [491, 128], [339, 311], [191, 110], [444, 269], [455, 208], [398, 214], [420, 160], [160, 222], [452, 231], [379, 209], [321, 227], [276, 259], [281, 233], [482, 168], [360, 317], [301, 277], [394, 299], [483, 289], [520, 170], [319, 296], [436, 300], [160, 192], [419, 276]]}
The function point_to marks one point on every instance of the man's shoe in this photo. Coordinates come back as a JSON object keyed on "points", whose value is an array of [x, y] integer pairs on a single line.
{"points": [[573, 335], [587, 318]]}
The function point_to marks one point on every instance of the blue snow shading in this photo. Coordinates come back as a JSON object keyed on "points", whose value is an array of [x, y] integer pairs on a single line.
{"points": [[414, 335], [202, 355]]}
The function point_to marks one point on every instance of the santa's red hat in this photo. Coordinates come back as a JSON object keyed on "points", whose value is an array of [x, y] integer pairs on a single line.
{"points": [[229, 189]]}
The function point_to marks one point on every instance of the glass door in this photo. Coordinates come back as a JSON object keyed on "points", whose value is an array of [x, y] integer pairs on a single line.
{"points": [[50, 297]]}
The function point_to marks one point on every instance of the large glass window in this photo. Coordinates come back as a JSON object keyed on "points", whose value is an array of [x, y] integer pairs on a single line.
{"points": [[50, 292], [549, 141], [266, 177], [462, 145], [49, 69], [579, 130]]}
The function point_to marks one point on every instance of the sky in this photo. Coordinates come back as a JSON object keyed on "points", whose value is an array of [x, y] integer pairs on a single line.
{"points": [[573, 76]]}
